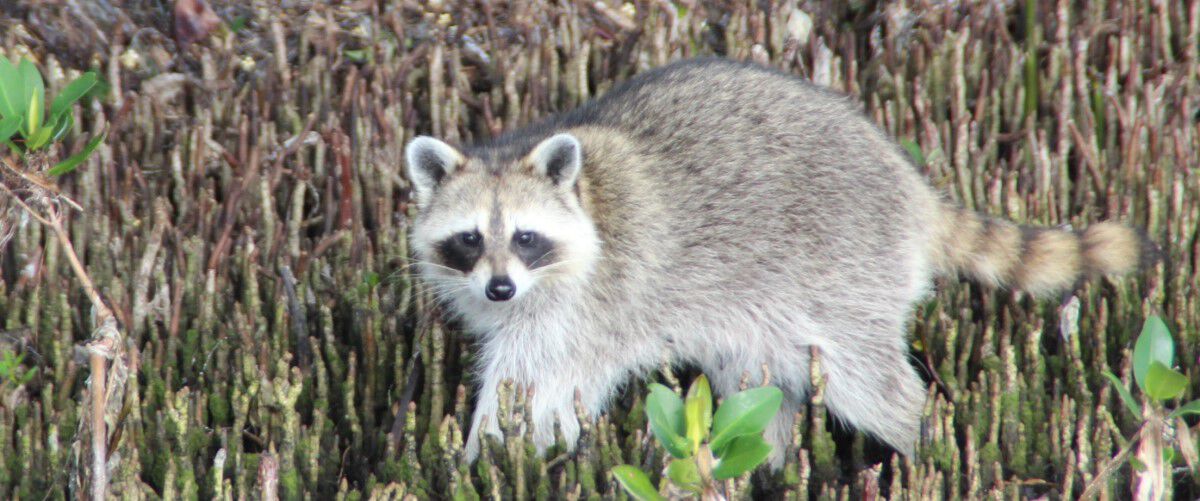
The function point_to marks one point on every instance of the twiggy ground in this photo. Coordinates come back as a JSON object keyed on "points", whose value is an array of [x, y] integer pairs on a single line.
{"points": [[277, 341]]}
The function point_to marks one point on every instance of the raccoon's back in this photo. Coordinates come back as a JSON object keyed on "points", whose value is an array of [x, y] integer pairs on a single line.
{"points": [[771, 181]]}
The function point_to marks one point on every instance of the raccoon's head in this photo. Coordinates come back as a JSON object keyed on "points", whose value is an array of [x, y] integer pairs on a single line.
{"points": [[491, 231]]}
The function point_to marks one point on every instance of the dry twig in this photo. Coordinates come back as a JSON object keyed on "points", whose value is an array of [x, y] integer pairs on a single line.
{"points": [[106, 339]]}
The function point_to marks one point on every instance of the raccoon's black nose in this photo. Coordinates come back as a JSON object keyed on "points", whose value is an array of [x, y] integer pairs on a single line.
{"points": [[500, 289]]}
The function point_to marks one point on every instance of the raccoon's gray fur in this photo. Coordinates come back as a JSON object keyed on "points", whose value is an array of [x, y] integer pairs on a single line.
{"points": [[712, 213]]}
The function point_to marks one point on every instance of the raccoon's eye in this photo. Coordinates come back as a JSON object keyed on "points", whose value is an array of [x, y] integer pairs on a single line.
{"points": [[525, 238], [469, 238]]}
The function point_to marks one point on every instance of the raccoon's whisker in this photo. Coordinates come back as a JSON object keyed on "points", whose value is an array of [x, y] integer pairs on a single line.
{"points": [[447, 285], [442, 298], [539, 259], [407, 267], [447, 292], [550, 268], [435, 265], [555, 265], [450, 286], [444, 279]]}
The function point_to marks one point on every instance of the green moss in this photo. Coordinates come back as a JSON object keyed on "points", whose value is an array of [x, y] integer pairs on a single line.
{"points": [[289, 483], [219, 409]]}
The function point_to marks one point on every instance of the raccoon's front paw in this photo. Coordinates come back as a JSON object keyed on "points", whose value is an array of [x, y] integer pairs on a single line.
{"points": [[481, 423], [543, 433], [543, 429]]}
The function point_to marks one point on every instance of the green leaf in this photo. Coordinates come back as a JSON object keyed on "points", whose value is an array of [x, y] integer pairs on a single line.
{"points": [[744, 413], [9, 126], [743, 454], [71, 93], [34, 96], [664, 409], [38, 138], [1137, 464], [33, 121], [914, 151], [1123, 392], [238, 24], [8, 362], [16, 149], [71, 163], [636, 483], [1190, 408], [698, 411], [1153, 345], [12, 90], [61, 127], [101, 90], [1164, 383], [684, 473]]}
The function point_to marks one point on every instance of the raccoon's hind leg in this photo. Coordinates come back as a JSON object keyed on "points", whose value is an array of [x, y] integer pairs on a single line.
{"points": [[873, 388], [780, 432]]}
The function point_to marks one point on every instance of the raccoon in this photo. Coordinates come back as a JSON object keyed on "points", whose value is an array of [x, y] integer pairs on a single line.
{"points": [[719, 214]]}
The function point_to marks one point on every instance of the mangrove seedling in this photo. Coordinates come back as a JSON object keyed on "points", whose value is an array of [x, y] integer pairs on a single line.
{"points": [[26, 126], [1160, 384], [707, 447]]}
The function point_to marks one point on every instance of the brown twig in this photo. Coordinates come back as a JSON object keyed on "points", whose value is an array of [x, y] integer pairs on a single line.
{"points": [[268, 477], [44, 184], [298, 320], [32, 213], [1113, 464], [103, 313], [102, 347], [99, 432], [105, 339]]}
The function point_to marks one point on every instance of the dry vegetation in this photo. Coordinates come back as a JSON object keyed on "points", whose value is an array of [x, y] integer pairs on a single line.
{"points": [[274, 334]]}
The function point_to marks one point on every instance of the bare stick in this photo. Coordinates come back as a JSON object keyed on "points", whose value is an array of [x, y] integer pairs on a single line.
{"points": [[44, 184], [105, 339], [103, 313], [101, 348], [268, 477], [32, 213], [1111, 467], [99, 432]]}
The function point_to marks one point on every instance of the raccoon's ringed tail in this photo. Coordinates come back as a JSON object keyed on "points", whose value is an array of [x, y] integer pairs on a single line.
{"points": [[1037, 260]]}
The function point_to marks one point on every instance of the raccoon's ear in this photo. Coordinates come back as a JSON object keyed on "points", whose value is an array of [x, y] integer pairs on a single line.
{"points": [[559, 158], [427, 162]]}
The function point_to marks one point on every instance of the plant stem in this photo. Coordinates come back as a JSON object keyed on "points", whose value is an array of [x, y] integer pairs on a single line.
{"points": [[99, 432], [1152, 482], [103, 313], [102, 347], [1113, 465], [704, 463]]}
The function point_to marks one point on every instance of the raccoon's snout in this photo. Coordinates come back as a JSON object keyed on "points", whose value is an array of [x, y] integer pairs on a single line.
{"points": [[500, 288]]}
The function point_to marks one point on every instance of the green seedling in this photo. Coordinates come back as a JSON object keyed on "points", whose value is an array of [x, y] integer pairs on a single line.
{"points": [[707, 447], [1159, 384], [1153, 359], [26, 126]]}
